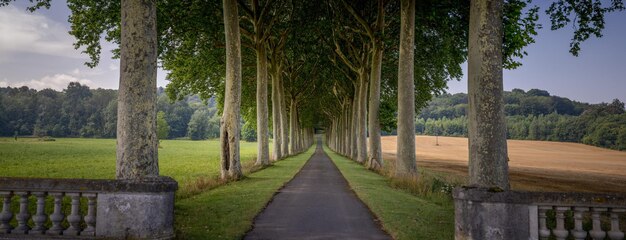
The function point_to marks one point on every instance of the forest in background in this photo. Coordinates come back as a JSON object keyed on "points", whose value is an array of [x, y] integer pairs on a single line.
{"points": [[79, 111], [534, 115]]}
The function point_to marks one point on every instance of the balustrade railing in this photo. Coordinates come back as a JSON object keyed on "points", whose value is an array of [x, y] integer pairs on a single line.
{"points": [[596, 223], [69, 208], [485, 214], [78, 223]]}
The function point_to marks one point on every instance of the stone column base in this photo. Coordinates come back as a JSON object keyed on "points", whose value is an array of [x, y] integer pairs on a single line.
{"points": [[136, 214], [480, 214]]}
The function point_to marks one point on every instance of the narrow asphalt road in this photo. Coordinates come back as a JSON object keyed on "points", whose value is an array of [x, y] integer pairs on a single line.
{"points": [[316, 204]]}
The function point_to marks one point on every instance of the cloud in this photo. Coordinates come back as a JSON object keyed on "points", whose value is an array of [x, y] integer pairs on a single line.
{"points": [[57, 82], [114, 67], [88, 72], [4, 83], [23, 32]]}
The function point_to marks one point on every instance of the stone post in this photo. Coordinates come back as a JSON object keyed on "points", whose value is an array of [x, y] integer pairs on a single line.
{"points": [[481, 214], [137, 210]]}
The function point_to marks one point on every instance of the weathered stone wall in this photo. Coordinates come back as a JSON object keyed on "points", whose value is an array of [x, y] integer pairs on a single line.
{"points": [[117, 209], [136, 215], [481, 213]]}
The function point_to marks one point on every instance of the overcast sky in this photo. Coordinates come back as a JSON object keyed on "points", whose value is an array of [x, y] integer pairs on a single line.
{"points": [[37, 51]]}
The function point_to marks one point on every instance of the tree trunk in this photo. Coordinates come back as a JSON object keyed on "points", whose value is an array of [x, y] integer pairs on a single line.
{"points": [[137, 143], [229, 123], [292, 128], [298, 138], [263, 152], [346, 127], [405, 163], [488, 160], [336, 134], [276, 124], [340, 133], [362, 120], [298, 135], [284, 120], [353, 124], [375, 160]]}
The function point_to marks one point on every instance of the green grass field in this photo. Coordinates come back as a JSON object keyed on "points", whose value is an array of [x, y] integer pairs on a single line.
{"points": [[403, 215], [184, 160]]}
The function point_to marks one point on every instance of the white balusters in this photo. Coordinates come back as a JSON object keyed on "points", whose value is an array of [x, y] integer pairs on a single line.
{"points": [[544, 232], [40, 217], [598, 217], [57, 216], [6, 215], [560, 232], [90, 218], [22, 217], [615, 233], [74, 217], [578, 232], [597, 233]]}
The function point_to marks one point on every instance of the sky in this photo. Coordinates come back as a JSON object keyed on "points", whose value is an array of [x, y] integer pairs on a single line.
{"points": [[36, 50]]}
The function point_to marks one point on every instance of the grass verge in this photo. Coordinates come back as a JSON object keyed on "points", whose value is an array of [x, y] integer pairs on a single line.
{"points": [[402, 214], [227, 211]]}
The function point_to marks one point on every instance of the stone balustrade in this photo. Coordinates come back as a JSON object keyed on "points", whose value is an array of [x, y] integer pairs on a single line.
{"points": [[581, 216], [484, 214], [82, 208]]}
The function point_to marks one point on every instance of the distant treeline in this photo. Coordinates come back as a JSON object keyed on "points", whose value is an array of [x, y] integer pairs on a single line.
{"points": [[534, 115], [79, 111]]}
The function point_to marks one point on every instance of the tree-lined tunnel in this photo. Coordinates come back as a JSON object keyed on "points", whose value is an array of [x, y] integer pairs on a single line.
{"points": [[354, 68], [351, 68]]}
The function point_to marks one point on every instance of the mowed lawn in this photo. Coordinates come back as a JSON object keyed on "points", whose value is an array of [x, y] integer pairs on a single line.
{"points": [[183, 160]]}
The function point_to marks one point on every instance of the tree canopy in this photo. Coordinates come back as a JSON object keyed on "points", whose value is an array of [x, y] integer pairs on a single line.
{"points": [[191, 39], [329, 64]]}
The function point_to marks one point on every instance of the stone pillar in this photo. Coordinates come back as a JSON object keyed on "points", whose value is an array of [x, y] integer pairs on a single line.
{"points": [[137, 210], [480, 214], [137, 144], [488, 160]]}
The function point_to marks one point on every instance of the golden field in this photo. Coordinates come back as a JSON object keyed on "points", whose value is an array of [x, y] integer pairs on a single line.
{"points": [[533, 165]]}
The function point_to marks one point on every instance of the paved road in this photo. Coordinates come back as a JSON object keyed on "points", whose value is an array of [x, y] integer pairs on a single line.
{"points": [[316, 204]]}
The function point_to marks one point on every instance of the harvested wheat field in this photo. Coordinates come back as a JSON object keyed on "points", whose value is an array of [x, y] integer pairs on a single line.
{"points": [[533, 166]]}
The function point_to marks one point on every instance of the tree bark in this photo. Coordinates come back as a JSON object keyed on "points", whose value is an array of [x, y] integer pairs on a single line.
{"points": [[263, 152], [298, 140], [297, 136], [137, 143], [362, 119], [353, 124], [405, 164], [292, 128], [346, 127], [488, 159], [229, 123], [284, 120], [276, 106], [375, 160]]}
